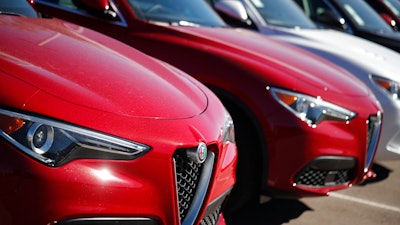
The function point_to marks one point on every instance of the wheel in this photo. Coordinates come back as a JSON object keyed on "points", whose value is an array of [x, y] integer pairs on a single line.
{"points": [[246, 192]]}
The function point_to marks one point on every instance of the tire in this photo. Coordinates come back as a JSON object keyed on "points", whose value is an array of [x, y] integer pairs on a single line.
{"points": [[246, 192]]}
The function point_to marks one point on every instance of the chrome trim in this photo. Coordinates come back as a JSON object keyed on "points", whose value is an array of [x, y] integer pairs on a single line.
{"points": [[374, 124], [130, 148], [49, 138], [26, 150], [85, 131]]}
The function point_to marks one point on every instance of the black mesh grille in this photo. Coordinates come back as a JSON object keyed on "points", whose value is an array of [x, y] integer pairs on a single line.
{"points": [[213, 210], [187, 174], [318, 178], [212, 218]]}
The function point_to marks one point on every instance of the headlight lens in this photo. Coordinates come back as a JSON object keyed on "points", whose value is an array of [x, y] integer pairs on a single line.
{"points": [[309, 109], [54, 143], [391, 87], [228, 131]]}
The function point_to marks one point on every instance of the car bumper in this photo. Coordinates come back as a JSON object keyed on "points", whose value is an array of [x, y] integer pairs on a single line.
{"points": [[330, 157], [108, 192]]}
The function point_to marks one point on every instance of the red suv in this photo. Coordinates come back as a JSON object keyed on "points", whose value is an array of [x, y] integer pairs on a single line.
{"points": [[303, 126], [95, 132]]}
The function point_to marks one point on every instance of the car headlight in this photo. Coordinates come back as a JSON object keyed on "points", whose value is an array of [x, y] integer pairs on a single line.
{"points": [[391, 87], [55, 143], [309, 109], [228, 131]]}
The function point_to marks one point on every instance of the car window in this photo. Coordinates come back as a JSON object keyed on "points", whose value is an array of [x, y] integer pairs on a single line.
{"points": [[63, 3], [376, 6], [282, 13], [177, 12], [315, 8], [17, 7], [394, 6], [363, 16], [109, 14]]}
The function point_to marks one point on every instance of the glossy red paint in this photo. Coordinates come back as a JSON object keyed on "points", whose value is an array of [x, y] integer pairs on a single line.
{"points": [[70, 75], [240, 66]]}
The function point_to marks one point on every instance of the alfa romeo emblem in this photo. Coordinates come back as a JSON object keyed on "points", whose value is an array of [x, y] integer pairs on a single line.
{"points": [[200, 154]]}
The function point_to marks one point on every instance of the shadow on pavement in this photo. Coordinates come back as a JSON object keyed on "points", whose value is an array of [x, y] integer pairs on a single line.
{"points": [[382, 173], [273, 212]]}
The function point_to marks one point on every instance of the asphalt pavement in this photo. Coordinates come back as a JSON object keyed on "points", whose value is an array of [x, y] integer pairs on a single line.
{"points": [[375, 202]]}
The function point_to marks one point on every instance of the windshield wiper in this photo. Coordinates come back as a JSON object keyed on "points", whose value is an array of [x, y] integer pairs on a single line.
{"points": [[184, 23], [10, 13]]}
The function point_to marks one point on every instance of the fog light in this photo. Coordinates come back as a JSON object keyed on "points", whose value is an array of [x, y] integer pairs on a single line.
{"points": [[40, 138]]}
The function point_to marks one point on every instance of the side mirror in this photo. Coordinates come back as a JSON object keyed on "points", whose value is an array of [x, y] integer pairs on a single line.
{"points": [[233, 9], [95, 5], [389, 20], [331, 20], [99, 7]]}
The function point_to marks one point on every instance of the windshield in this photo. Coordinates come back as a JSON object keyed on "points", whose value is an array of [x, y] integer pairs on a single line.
{"points": [[394, 6], [17, 7], [283, 13], [177, 12], [363, 16]]}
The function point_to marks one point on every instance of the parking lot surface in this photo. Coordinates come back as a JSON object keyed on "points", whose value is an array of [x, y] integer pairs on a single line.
{"points": [[372, 203]]}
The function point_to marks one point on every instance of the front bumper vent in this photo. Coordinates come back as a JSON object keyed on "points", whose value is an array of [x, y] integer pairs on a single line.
{"points": [[213, 210], [212, 218], [320, 178], [327, 171]]}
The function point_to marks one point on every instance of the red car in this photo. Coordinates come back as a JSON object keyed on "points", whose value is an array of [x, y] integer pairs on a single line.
{"points": [[95, 132], [389, 10], [303, 126]]}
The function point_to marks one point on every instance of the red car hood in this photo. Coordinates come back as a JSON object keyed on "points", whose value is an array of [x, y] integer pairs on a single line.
{"points": [[294, 62], [140, 85]]}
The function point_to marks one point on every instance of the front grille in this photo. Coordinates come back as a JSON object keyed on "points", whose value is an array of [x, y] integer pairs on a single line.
{"points": [[192, 181], [374, 129], [327, 171], [315, 177], [213, 210], [212, 218], [187, 174]]}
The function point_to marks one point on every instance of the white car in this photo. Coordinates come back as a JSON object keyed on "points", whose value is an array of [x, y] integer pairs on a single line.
{"points": [[375, 65]]}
